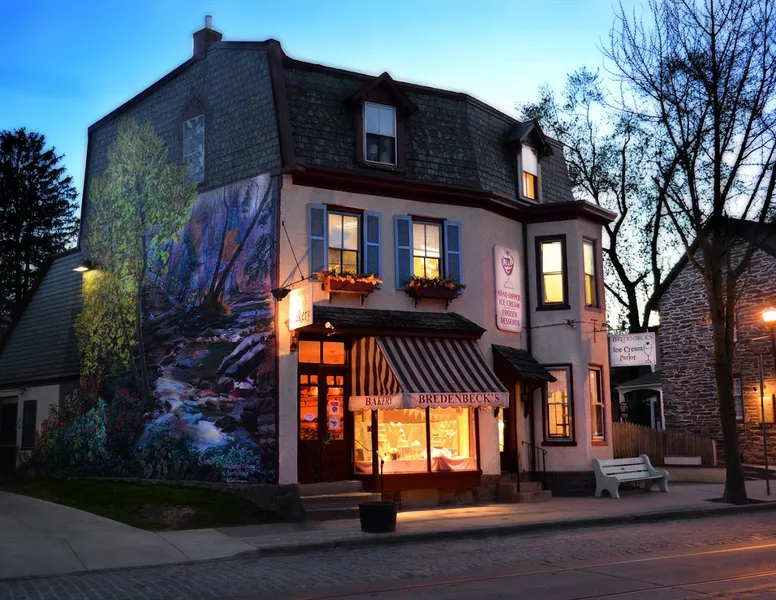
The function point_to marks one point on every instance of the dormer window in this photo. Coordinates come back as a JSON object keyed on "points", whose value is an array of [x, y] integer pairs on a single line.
{"points": [[530, 166], [380, 133]]}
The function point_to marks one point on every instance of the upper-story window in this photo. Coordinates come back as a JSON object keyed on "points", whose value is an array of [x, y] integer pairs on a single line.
{"points": [[194, 147], [343, 242], [591, 283], [427, 249], [551, 271], [379, 133], [530, 166]]}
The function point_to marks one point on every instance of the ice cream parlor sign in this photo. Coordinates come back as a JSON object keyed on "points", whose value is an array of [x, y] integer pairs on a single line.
{"points": [[632, 349], [509, 291]]}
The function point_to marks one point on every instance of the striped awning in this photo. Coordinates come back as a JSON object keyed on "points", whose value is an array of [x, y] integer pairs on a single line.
{"points": [[415, 372]]}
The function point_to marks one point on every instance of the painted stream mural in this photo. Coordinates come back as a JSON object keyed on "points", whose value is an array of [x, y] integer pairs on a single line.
{"points": [[208, 325]]}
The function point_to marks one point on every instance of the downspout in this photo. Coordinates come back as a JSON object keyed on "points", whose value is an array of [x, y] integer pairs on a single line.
{"points": [[527, 329]]}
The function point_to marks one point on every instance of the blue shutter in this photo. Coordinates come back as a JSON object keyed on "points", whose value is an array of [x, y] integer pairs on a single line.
{"points": [[402, 234], [453, 264], [372, 241], [318, 233]]}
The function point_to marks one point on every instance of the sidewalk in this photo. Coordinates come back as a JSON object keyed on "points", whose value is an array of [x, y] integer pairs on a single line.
{"points": [[43, 539]]}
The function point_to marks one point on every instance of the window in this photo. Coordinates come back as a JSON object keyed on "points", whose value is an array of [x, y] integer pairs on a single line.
{"points": [[343, 242], [194, 147], [426, 252], [597, 410], [558, 426], [29, 416], [591, 285], [327, 353], [738, 397], [530, 164], [380, 133], [551, 253]]}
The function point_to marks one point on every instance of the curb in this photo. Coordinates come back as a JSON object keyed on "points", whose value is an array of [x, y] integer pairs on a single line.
{"points": [[503, 530]]}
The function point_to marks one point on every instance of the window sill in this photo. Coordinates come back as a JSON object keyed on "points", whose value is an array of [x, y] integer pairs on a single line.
{"points": [[543, 307], [593, 308], [559, 443], [381, 166], [599, 443]]}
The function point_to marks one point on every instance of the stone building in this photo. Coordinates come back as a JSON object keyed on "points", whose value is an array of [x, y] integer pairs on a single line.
{"points": [[686, 354]]}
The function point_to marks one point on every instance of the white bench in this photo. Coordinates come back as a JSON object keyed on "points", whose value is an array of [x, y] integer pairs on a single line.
{"points": [[610, 473]]}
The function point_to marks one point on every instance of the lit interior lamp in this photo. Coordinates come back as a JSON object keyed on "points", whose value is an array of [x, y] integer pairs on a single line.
{"points": [[84, 266], [769, 316]]}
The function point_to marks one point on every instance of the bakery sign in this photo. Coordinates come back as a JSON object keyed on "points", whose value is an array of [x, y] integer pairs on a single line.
{"points": [[509, 289], [632, 349], [300, 309]]}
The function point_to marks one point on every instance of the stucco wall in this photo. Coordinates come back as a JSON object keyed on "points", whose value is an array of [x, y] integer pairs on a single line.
{"points": [[480, 231], [46, 396], [686, 355]]}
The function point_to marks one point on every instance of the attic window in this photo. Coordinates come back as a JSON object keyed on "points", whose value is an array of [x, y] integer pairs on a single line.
{"points": [[379, 133], [530, 166]]}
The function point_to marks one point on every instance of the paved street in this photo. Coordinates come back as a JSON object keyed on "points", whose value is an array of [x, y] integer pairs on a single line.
{"points": [[333, 573]]}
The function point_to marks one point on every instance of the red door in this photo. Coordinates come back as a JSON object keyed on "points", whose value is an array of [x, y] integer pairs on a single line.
{"points": [[323, 453]]}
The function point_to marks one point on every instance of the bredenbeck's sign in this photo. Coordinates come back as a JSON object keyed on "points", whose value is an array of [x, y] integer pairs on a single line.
{"points": [[300, 310], [509, 289], [632, 349]]}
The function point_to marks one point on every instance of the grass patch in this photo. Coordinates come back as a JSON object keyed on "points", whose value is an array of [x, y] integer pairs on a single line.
{"points": [[151, 506]]}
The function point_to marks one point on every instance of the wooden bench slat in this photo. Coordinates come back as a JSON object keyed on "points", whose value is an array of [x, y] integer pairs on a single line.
{"points": [[610, 473]]}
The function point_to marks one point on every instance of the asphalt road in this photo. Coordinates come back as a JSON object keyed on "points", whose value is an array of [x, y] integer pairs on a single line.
{"points": [[732, 555], [743, 571]]}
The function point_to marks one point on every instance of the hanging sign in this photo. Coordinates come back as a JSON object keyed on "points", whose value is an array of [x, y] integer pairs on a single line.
{"points": [[300, 310], [509, 289], [632, 349]]}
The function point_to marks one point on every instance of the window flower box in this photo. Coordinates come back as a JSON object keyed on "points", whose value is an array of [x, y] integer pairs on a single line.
{"points": [[436, 288], [348, 283]]}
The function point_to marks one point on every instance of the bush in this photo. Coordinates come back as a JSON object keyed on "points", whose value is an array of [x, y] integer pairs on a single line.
{"points": [[124, 423], [167, 456]]}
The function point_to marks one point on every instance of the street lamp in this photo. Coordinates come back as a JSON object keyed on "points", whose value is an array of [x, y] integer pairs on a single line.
{"points": [[769, 317]]}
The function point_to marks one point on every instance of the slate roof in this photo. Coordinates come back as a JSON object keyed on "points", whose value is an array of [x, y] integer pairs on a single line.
{"points": [[393, 319], [451, 139], [526, 365], [654, 378], [42, 344]]}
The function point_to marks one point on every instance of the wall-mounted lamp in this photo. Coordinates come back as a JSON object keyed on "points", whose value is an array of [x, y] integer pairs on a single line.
{"points": [[280, 293], [84, 266]]}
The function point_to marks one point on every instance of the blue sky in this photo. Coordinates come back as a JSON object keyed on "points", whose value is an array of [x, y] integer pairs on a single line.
{"points": [[66, 64]]}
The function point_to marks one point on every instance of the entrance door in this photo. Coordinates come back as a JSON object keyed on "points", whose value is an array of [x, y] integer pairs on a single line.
{"points": [[7, 437], [508, 420], [323, 447]]}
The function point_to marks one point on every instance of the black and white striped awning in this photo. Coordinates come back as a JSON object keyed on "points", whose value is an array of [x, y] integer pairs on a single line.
{"points": [[415, 372]]}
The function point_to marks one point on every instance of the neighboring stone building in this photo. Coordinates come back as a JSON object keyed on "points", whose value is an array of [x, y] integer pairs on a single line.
{"points": [[686, 355]]}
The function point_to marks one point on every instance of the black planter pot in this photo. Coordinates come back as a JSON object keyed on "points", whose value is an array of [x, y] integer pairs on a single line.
{"points": [[377, 517]]}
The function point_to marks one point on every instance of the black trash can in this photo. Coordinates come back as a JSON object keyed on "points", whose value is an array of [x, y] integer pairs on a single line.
{"points": [[377, 517]]}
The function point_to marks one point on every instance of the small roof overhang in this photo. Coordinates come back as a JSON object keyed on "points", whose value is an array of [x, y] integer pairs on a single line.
{"points": [[521, 364], [650, 381]]}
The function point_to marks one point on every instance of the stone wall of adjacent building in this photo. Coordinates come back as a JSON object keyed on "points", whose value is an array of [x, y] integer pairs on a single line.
{"points": [[686, 356]]}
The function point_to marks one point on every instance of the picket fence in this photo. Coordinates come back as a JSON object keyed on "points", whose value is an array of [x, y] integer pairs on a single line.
{"points": [[631, 440]]}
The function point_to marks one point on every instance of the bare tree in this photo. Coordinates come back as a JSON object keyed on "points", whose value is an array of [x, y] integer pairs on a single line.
{"points": [[703, 73], [617, 162]]}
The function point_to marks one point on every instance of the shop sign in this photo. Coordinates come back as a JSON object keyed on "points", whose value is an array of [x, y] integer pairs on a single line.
{"points": [[375, 402], [632, 349], [509, 292], [476, 399], [300, 311]]}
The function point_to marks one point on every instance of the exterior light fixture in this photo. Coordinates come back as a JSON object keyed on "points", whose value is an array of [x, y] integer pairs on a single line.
{"points": [[84, 266], [280, 293], [769, 316]]}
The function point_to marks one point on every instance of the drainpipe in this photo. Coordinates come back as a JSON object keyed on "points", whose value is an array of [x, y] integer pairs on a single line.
{"points": [[527, 328]]}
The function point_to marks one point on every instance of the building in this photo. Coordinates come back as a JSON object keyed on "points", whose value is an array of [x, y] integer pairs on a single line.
{"points": [[306, 172], [689, 390]]}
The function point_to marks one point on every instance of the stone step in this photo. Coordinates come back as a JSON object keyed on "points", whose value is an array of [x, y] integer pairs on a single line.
{"points": [[330, 487], [531, 497], [507, 489], [328, 507]]}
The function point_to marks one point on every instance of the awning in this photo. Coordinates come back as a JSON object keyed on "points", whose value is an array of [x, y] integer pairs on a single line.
{"points": [[520, 362], [417, 372]]}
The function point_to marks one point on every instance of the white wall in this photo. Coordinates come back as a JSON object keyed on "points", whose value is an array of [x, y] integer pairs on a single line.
{"points": [[481, 230], [46, 396]]}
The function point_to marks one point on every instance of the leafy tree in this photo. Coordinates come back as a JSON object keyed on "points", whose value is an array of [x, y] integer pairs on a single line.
{"points": [[37, 211], [616, 162], [137, 206], [703, 74]]}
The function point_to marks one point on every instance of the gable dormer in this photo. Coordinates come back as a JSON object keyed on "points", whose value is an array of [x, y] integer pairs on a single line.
{"points": [[381, 108], [531, 147]]}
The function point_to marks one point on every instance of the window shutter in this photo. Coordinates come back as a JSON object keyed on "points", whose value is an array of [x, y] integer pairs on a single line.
{"points": [[402, 233], [318, 231], [372, 240], [453, 264]]}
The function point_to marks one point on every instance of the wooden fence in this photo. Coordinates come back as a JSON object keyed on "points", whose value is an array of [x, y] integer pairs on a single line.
{"points": [[631, 440]]}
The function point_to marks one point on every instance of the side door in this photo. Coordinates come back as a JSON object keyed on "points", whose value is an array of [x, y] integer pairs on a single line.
{"points": [[8, 415]]}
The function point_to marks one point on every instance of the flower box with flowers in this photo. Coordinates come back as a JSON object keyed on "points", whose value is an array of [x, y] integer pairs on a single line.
{"points": [[438, 288], [348, 283]]}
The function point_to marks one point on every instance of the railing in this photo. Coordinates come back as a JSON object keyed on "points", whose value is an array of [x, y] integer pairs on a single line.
{"points": [[537, 462], [630, 440]]}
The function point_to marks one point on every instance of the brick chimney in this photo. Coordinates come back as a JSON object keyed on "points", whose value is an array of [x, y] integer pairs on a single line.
{"points": [[205, 37]]}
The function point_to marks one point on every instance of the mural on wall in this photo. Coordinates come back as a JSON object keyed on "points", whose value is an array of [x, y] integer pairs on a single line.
{"points": [[181, 322]]}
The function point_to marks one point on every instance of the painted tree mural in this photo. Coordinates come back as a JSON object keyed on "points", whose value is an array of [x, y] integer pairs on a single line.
{"points": [[178, 313]]}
